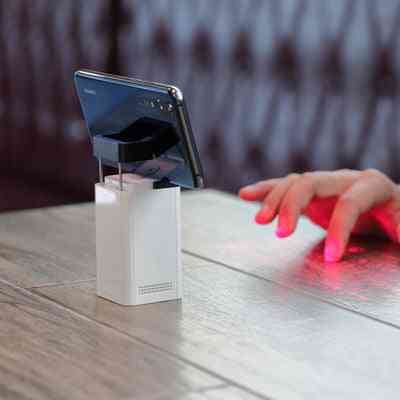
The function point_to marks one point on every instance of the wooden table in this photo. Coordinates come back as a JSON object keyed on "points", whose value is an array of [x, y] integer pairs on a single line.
{"points": [[261, 317]]}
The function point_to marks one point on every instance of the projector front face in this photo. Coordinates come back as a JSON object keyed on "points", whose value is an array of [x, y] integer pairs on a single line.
{"points": [[120, 112]]}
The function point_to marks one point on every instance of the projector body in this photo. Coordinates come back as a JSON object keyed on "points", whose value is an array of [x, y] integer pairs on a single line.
{"points": [[138, 241]]}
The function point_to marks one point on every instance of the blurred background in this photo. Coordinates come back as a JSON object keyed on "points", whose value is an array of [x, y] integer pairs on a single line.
{"points": [[273, 86]]}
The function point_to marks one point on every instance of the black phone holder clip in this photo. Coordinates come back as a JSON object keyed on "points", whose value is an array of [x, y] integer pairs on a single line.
{"points": [[145, 139]]}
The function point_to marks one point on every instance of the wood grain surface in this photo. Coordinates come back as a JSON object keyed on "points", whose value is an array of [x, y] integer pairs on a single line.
{"points": [[261, 317], [219, 393], [266, 338], [48, 352], [221, 228], [47, 245]]}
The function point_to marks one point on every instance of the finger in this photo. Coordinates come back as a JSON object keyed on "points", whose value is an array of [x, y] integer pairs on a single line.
{"points": [[258, 191], [319, 184], [359, 198], [272, 202], [331, 183], [322, 184], [295, 200]]}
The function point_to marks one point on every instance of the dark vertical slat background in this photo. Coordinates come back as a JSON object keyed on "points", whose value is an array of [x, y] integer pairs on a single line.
{"points": [[273, 86]]}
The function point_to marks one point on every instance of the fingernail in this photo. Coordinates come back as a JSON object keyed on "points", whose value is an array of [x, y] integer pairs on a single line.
{"points": [[262, 216], [283, 227], [331, 252], [258, 219], [281, 232]]}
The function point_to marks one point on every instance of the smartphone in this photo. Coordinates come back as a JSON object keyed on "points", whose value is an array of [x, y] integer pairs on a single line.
{"points": [[111, 104]]}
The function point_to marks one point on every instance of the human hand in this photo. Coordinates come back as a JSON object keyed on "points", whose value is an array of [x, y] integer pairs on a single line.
{"points": [[343, 202]]}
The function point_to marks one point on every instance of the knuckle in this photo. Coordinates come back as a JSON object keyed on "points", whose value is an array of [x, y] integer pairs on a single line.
{"points": [[372, 173], [346, 171], [270, 201], [308, 180], [308, 175], [260, 184], [273, 199], [300, 187], [266, 201], [380, 179], [293, 176]]}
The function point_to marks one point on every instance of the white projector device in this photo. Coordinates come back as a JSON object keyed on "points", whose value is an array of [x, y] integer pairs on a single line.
{"points": [[138, 241], [142, 127]]}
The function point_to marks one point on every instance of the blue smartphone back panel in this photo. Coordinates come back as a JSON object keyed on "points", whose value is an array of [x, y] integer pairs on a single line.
{"points": [[111, 106]]}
